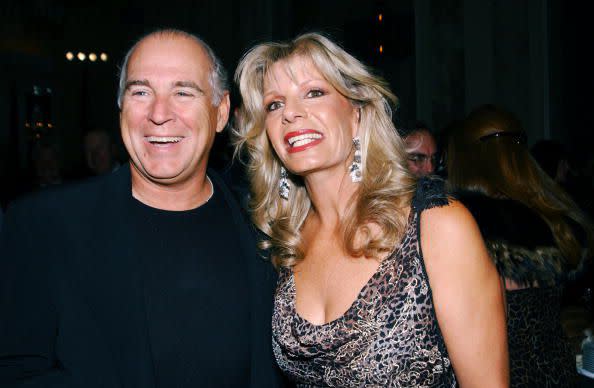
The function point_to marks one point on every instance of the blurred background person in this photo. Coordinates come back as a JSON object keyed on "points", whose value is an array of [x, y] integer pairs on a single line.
{"points": [[442, 145], [47, 168], [100, 152], [553, 159], [569, 172], [528, 224], [421, 148]]}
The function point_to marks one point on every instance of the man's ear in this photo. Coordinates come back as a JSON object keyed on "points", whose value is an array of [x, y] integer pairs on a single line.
{"points": [[223, 112]]}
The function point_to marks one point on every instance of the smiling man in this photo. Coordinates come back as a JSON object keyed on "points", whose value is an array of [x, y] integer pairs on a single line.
{"points": [[147, 277]]}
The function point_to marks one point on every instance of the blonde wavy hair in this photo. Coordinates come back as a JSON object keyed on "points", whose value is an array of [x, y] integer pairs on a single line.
{"points": [[385, 193], [487, 154]]}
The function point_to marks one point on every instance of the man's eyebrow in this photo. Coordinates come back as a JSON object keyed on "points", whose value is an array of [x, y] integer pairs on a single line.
{"points": [[189, 84], [137, 82]]}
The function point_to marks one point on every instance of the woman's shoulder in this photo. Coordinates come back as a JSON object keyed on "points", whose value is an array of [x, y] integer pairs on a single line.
{"points": [[438, 207], [449, 236], [448, 216]]}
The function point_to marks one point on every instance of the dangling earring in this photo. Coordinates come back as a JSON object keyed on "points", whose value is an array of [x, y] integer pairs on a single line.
{"points": [[355, 170], [283, 184]]}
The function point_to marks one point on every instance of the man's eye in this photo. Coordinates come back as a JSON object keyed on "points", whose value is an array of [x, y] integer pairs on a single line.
{"points": [[274, 105], [417, 157], [183, 93], [139, 92], [315, 93]]}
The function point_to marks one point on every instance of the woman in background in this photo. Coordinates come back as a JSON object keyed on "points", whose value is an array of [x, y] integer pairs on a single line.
{"points": [[383, 281], [528, 224]]}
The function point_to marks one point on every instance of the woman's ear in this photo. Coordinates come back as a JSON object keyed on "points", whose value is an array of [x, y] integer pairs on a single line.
{"points": [[356, 120]]}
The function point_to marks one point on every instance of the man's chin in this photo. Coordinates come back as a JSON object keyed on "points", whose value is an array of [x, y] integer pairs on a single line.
{"points": [[165, 178], [162, 176]]}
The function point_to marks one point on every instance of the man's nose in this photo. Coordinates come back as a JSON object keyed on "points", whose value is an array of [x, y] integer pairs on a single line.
{"points": [[429, 166], [161, 111]]}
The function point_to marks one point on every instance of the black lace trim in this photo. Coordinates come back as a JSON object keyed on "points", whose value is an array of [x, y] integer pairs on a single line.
{"points": [[431, 192]]}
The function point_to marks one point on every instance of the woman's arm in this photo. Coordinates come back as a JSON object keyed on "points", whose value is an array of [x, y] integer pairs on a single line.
{"points": [[467, 296]]}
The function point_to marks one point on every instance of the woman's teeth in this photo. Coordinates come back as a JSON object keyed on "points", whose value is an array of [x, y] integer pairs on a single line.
{"points": [[297, 141]]}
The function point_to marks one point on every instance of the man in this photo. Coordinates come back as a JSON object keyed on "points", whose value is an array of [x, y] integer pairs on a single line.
{"points": [[146, 277], [422, 151], [100, 152], [47, 169]]}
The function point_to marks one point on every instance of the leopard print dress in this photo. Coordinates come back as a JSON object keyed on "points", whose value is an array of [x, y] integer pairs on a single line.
{"points": [[389, 337]]}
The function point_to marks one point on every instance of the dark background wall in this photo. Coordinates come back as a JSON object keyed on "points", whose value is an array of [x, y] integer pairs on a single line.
{"points": [[442, 58]]}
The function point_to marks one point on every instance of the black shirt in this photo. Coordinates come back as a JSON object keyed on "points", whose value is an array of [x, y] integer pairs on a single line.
{"points": [[191, 258], [98, 290]]}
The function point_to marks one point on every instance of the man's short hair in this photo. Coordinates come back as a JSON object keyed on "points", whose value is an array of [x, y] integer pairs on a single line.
{"points": [[217, 76], [414, 128]]}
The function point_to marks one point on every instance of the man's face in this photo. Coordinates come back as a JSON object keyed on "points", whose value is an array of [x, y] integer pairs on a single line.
{"points": [[168, 120], [422, 153], [47, 167]]}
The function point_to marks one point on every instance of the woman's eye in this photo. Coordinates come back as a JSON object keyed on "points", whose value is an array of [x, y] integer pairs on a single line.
{"points": [[274, 105], [315, 93]]}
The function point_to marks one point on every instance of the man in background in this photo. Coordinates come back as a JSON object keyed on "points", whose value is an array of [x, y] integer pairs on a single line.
{"points": [[100, 152], [422, 151]]}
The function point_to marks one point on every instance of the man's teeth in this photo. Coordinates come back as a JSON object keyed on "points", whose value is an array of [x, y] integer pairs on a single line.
{"points": [[164, 139], [297, 141]]}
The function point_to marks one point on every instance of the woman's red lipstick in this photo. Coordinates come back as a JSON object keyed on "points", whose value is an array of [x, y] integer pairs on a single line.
{"points": [[302, 139]]}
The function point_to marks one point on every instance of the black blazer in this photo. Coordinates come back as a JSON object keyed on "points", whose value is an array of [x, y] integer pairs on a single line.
{"points": [[71, 301]]}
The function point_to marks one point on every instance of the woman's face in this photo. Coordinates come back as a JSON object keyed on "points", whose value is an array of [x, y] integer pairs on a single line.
{"points": [[309, 123]]}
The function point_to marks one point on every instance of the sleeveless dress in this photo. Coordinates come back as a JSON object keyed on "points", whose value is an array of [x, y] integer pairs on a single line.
{"points": [[389, 337]]}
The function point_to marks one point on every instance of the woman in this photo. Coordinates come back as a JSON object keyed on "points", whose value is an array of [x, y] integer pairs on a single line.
{"points": [[357, 303], [528, 223]]}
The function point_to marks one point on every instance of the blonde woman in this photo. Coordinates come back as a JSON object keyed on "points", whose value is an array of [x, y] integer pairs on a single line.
{"points": [[528, 223], [383, 281]]}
